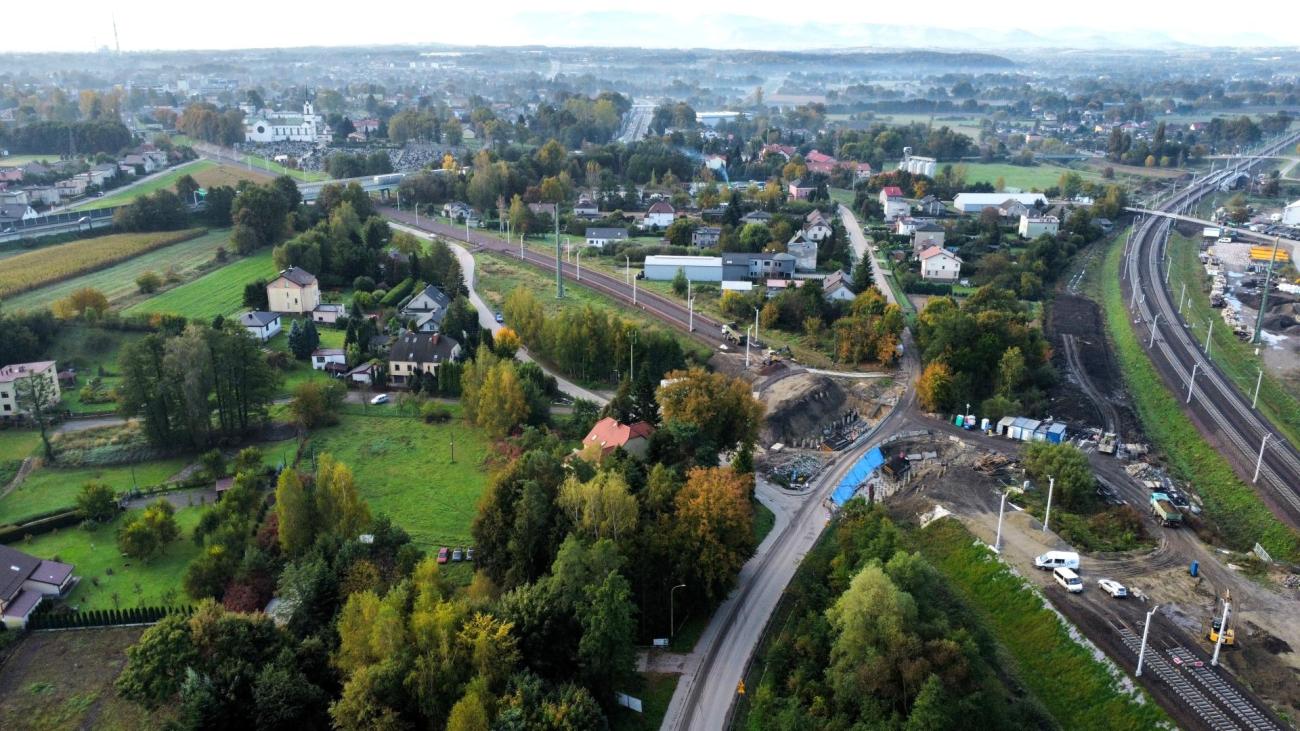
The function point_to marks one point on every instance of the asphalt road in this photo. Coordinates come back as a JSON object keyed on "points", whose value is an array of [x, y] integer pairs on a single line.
{"points": [[860, 244], [1219, 410]]}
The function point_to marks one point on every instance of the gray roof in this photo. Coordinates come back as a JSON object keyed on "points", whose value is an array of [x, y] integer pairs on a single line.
{"points": [[606, 233], [257, 318], [300, 277], [329, 307], [15, 568], [423, 348], [13, 211]]}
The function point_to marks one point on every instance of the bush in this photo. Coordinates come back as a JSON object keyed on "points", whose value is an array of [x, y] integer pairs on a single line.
{"points": [[363, 284], [148, 283], [434, 413]]}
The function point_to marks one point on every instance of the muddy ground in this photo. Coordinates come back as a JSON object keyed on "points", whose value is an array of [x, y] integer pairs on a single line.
{"points": [[1079, 316]]}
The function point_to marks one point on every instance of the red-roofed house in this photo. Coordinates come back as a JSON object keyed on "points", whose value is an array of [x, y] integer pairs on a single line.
{"points": [[608, 435], [891, 199], [659, 215], [940, 265]]}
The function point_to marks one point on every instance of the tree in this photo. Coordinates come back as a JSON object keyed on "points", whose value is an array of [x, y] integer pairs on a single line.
{"points": [[603, 506], [293, 508], [303, 339], [715, 528], [145, 535], [721, 407], [36, 396], [86, 302], [186, 187], [864, 277], [1075, 483], [148, 282], [934, 387], [680, 283], [875, 651], [502, 404], [255, 297], [339, 506], [316, 403], [150, 676], [506, 343], [97, 502], [607, 652], [470, 713]]}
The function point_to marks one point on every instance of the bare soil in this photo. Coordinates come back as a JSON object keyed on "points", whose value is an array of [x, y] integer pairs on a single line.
{"points": [[1079, 316]]}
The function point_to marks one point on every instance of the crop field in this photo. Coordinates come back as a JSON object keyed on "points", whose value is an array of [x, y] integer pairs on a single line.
{"points": [[220, 292], [223, 174], [184, 260], [110, 580], [33, 269], [1039, 177], [54, 488], [158, 181], [404, 469]]}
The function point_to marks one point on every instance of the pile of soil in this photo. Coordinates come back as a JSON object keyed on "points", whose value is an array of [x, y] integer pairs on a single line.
{"points": [[800, 405], [1081, 317]]}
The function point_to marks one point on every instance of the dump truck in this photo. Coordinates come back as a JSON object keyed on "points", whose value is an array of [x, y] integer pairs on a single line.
{"points": [[1107, 443], [1163, 508], [732, 335]]}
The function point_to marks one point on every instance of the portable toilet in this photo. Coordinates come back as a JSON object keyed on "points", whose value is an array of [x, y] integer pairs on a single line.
{"points": [[1056, 433], [960, 420], [971, 421], [984, 425]]}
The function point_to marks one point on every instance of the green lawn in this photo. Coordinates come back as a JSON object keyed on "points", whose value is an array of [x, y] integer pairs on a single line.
{"points": [[185, 260], [220, 292], [91, 351], [764, 520], [13, 161], [1235, 509], [15, 446], [96, 557], [1036, 177], [275, 168], [656, 692], [158, 182], [54, 488], [403, 469]]}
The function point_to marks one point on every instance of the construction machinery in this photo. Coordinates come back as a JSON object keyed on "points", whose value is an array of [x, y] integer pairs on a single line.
{"points": [[1108, 443], [1229, 637]]}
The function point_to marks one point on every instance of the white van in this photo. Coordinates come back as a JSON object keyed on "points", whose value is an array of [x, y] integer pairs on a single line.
{"points": [[1069, 580], [1057, 559]]}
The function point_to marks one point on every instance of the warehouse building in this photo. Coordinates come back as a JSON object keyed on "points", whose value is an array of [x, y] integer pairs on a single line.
{"points": [[664, 268], [976, 202]]}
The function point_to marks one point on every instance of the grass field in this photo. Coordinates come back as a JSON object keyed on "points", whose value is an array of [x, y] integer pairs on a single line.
{"points": [[33, 269], [105, 573], [117, 282], [271, 169], [1037, 177], [220, 292], [158, 181], [63, 681], [91, 351], [403, 469], [1236, 359], [55, 488], [1076, 688], [15, 446], [13, 161], [656, 692], [1232, 506]]}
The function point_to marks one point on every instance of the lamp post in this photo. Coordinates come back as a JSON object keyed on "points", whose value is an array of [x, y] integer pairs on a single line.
{"points": [[1047, 515], [1142, 650], [1208, 333], [627, 273], [1258, 380], [578, 258], [997, 542], [748, 338], [1191, 382], [672, 611], [1259, 461], [1223, 629], [1155, 325], [755, 322]]}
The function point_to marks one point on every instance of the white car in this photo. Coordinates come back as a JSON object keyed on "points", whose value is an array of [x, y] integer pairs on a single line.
{"points": [[1113, 587], [380, 399]]}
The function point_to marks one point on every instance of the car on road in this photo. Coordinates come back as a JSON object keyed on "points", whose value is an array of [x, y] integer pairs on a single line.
{"points": [[442, 555], [1068, 580], [469, 555], [380, 399], [1113, 587], [456, 556], [501, 317], [1057, 559]]}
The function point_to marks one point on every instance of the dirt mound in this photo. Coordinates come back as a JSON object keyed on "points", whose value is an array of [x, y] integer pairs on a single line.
{"points": [[1081, 318], [800, 406]]}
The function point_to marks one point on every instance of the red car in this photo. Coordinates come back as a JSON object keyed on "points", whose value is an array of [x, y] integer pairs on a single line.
{"points": [[442, 555]]}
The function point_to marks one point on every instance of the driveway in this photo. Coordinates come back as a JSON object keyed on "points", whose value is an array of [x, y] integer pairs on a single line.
{"points": [[861, 244]]}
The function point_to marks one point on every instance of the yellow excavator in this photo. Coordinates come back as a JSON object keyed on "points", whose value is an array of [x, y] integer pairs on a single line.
{"points": [[1217, 628]]}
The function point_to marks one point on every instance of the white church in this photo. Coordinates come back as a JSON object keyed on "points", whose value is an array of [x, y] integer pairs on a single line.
{"points": [[287, 127]]}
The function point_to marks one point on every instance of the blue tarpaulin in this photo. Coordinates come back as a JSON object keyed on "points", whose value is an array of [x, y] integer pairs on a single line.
{"points": [[857, 475]]}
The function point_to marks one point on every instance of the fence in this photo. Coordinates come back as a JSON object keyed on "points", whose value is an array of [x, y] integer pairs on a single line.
{"points": [[53, 620]]}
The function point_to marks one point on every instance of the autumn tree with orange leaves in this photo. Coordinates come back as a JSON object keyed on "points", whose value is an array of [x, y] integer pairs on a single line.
{"points": [[715, 529]]}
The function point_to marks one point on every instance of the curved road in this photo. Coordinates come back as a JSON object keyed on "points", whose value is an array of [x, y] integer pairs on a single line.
{"points": [[1220, 411]]}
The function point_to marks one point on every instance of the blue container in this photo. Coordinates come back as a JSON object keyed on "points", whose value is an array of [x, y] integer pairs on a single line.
{"points": [[1195, 568]]}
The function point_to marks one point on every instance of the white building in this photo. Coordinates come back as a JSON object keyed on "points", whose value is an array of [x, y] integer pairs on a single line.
{"points": [[12, 375], [816, 227], [320, 357], [599, 237], [926, 235], [663, 268], [804, 251], [940, 265], [893, 203], [261, 325], [659, 215], [1291, 214], [917, 165], [285, 127], [1031, 227], [976, 202], [835, 287]]}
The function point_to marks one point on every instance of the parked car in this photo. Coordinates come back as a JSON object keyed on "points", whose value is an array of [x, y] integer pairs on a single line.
{"points": [[469, 555], [442, 555], [1069, 580], [456, 556], [1057, 559], [380, 399], [501, 317], [1113, 587]]}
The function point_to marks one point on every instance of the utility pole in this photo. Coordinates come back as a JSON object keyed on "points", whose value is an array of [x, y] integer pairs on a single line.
{"points": [[1259, 461], [1146, 629], [559, 266], [1263, 301], [1208, 334], [1051, 483], [1182, 297], [747, 340], [672, 622], [755, 323], [690, 308], [1223, 628], [631, 357], [997, 542], [578, 257], [627, 271], [1191, 382], [1155, 325], [1258, 380]]}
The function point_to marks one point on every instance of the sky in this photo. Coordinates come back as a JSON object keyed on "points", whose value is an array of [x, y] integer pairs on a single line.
{"points": [[87, 25]]}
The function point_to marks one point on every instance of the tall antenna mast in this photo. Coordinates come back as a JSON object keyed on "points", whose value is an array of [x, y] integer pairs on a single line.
{"points": [[117, 45]]}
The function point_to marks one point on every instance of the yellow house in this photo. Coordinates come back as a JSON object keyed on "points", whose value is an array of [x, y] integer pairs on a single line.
{"points": [[294, 291]]}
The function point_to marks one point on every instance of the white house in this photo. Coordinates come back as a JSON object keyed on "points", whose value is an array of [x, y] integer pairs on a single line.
{"points": [[1031, 227], [1291, 214], [25, 581], [659, 215], [321, 357], [891, 199], [804, 251], [940, 265], [285, 127], [327, 313], [428, 309], [11, 375], [598, 237], [816, 227], [976, 202], [261, 325], [835, 287]]}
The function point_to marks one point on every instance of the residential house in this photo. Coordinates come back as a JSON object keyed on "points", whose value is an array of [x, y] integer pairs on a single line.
{"points": [[543, 209], [363, 374], [11, 175], [17, 197], [816, 227], [25, 581], [785, 151], [820, 162], [940, 265], [586, 208], [765, 218], [804, 251], [1031, 227], [101, 174], [138, 164], [323, 357], [71, 188], [660, 215], [43, 195], [893, 203], [261, 325], [930, 206], [293, 291], [861, 171], [835, 288], [599, 237], [887, 192], [327, 313], [15, 212], [461, 213], [415, 353], [706, 236], [800, 190], [14, 374], [926, 235], [608, 435], [1014, 209], [428, 308], [740, 266]]}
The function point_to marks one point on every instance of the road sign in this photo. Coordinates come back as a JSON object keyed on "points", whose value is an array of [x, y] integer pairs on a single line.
{"points": [[661, 642]]}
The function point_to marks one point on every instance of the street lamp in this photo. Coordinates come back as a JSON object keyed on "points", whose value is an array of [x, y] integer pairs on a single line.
{"points": [[672, 613], [1051, 484], [1142, 650], [748, 338], [578, 257], [1259, 461]]}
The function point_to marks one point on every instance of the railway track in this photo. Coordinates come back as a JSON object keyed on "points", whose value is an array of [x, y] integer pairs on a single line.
{"points": [[1208, 711], [1223, 412], [1105, 408]]}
